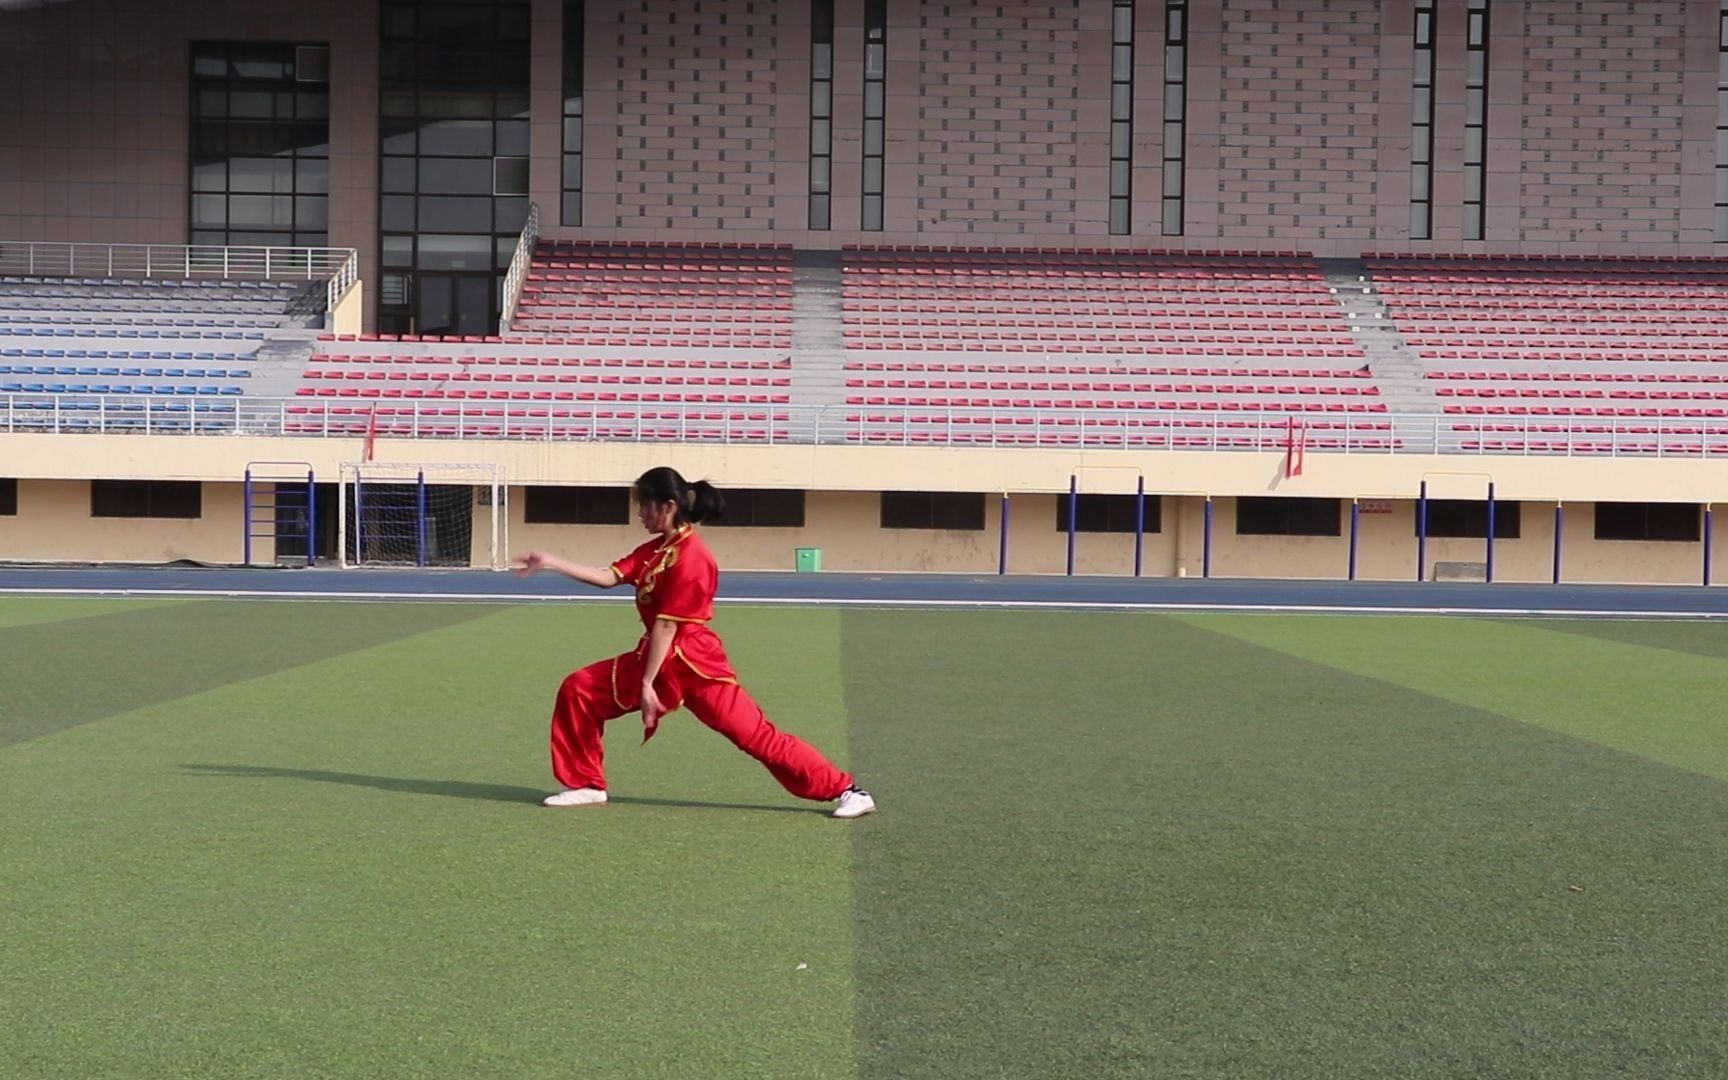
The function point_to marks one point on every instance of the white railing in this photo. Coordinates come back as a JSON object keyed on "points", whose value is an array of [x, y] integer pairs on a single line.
{"points": [[339, 284], [520, 263], [36, 259], [1126, 429]]}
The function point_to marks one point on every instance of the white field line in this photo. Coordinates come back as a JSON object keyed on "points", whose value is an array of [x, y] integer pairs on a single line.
{"points": [[811, 601]]}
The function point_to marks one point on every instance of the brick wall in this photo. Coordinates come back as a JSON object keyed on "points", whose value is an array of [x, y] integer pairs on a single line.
{"points": [[1298, 125], [999, 108], [1603, 93], [697, 109]]}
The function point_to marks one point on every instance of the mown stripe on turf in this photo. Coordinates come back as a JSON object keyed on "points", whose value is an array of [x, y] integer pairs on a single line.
{"points": [[58, 675], [1126, 846], [1696, 638], [35, 610], [1653, 701], [341, 870]]}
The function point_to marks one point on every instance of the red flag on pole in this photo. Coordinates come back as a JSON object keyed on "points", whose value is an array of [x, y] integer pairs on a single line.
{"points": [[371, 431], [1295, 447]]}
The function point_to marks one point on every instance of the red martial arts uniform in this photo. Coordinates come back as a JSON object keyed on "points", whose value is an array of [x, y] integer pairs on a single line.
{"points": [[675, 580]]}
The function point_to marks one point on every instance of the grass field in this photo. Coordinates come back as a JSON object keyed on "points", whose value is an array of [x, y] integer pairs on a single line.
{"points": [[300, 839]]}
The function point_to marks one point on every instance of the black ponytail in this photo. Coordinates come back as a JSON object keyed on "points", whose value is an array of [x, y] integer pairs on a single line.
{"points": [[696, 502]]}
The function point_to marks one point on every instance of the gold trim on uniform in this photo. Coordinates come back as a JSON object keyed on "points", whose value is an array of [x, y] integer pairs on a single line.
{"points": [[678, 651]]}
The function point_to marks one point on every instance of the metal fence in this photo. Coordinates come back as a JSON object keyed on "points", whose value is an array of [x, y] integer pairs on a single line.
{"points": [[770, 424], [338, 266]]}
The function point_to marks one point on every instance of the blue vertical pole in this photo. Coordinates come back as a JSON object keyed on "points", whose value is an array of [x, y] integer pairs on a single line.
{"points": [[1709, 529], [1355, 525], [420, 519], [1421, 529], [1002, 551], [1559, 531], [311, 520], [246, 547], [1073, 513], [1490, 564], [1139, 523], [1206, 542]]}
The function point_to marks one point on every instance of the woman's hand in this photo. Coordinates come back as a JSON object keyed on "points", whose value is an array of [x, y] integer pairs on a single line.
{"points": [[533, 562], [652, 710]]}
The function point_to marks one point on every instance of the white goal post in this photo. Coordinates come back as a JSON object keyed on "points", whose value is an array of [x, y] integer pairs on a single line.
{"points": [[413, 513]]}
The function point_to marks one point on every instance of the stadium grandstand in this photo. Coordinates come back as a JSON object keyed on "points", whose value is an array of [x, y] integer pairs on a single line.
{"points": [[1248, 289]]}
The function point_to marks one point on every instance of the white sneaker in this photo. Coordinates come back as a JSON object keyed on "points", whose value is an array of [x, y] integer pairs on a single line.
{"points": [[582, 796], [855, 802]]}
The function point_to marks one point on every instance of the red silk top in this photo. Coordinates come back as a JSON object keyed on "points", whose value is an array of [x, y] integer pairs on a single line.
{"points": [[676, 579]]}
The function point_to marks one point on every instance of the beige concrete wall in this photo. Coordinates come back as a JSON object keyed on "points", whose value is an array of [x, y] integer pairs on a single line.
{"points": [[851, 468], [54, 525]]}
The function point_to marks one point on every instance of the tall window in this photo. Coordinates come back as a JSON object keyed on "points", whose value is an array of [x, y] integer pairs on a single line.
{"points": [[1475, 117], [575, 13], [1422, 125], [260, 144], [875, 109], [821, 112], [1121, 115], [1722, 123], [1175, 111], [453, 171]]}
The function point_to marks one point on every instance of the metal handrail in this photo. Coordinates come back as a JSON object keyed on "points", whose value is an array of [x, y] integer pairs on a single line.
{"points": [[521, 262], [765, 422], [33, 258]]}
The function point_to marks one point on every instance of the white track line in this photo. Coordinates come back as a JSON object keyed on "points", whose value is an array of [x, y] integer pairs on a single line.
{"points": [[810, 601]]}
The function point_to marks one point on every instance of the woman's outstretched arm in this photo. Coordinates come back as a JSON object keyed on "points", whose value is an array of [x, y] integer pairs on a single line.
{"points": [[602, 577]]}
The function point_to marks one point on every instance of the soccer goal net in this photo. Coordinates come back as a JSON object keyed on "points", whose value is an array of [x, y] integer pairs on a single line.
{"points": [[422, 514]]}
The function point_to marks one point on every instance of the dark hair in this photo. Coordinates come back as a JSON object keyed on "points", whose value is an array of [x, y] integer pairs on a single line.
{"points": [[696, 502]]}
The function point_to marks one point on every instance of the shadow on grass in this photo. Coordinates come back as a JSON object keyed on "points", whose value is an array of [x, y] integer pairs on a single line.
{"points": [[459, 789]]}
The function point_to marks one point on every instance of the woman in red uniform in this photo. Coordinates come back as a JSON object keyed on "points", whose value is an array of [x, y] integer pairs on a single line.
{"points": [[679, 660]]}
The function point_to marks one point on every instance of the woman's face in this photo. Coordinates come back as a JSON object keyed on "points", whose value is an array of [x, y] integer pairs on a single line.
{"points": [[655, 516]]}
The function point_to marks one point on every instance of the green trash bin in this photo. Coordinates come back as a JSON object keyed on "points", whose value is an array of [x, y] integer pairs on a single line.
{"points": [[809, 560]]}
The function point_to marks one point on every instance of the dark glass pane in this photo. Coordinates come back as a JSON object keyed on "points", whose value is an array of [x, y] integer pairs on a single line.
{"points": [[252, 104], [511, 138], [210, 175], [396, 213], [454, 252], [399, 136], [572, 208], [573, 135], [397, 251], [820, 212], [396, 174], [267, 175], [572, 172], [210, 139], [312, 176], [311, 212], [458, 138], [209, 211], [398, 20], [509, 215], [257, 210], [212, 103], [456, 105], [456, 176], [312, 106], [510, 176], [511, 106], [456, 215]]}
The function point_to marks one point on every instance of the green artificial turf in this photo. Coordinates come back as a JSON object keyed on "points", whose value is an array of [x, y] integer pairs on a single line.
{"points": [[290, 840]]}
